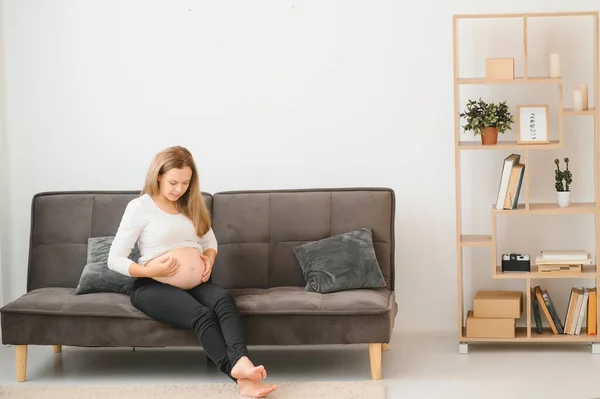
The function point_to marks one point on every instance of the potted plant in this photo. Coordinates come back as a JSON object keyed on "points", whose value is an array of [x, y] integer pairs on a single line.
{"points": [[487, 120], [563, 179]]}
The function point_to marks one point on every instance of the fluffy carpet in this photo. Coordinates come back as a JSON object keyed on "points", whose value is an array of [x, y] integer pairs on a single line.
{"points": [[295, 390]]}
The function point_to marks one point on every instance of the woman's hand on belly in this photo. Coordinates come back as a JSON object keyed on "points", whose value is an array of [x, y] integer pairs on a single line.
{"points": [[189, 272], [164, 266]]}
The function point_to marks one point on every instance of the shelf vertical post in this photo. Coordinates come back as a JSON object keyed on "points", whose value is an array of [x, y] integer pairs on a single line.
{"points": [[525, 73], [457, 179], [527, 179], [560, 114], [528, 305], [596, 156], [494, 250]]}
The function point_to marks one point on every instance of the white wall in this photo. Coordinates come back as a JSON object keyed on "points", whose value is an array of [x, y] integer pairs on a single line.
{"points": [[268, 94]]}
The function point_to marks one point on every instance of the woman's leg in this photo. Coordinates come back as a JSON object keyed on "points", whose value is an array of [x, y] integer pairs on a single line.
{"points": [[176, 307], [221, 302]]}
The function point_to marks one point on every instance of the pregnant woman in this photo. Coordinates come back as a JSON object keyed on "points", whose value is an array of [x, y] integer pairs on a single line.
{"points": [[172, 226]]}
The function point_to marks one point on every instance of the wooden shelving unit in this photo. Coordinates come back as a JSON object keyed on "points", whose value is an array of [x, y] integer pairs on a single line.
{"points": [[465, 240]]}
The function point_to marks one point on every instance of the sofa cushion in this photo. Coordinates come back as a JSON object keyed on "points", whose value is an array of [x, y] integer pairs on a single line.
{"points": [[63, 301], [342, 262], [271, 301], [295, 300], [291, 329], [96, 276], [53, 316]]}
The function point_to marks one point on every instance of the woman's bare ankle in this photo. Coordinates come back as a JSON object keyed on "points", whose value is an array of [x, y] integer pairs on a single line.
{"points": [[244, 368]]}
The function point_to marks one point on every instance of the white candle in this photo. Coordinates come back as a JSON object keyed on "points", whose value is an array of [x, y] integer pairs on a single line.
{"points": [[554, 65], [577, 100], [584, 95]]}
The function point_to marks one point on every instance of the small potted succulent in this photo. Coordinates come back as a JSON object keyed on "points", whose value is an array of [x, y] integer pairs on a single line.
{"points": [[563, 179], [487, 119]]}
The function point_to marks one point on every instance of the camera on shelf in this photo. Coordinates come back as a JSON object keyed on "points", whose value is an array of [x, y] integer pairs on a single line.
{"points": [[514, 262]]}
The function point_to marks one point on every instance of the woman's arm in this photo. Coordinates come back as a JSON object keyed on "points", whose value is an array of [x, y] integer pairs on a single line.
{"points": [[209, 254], [209, 241], [128, 233]]}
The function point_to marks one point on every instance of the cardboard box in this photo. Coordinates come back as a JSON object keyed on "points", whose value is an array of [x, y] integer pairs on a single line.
{"points": [[501, 304], [490, 327], [500, 68]]}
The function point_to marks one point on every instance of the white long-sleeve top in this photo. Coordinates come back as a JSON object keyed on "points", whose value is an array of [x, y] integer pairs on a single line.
{"points": [[156, 233]]}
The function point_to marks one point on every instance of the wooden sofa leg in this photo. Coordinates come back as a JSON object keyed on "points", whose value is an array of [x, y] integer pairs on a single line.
{"points": [[375, 357], [21, 362], [385, 347], [57, 348]]}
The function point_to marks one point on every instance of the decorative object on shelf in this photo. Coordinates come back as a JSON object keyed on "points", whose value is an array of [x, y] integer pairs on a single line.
{"points": [[515, 263], [494, 314], [500, 68], [554, 61], [577, 100], [563, 191], [584, 96], [532, 124], [487, 119]]}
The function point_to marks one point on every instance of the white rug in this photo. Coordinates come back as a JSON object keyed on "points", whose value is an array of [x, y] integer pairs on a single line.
{"points": [[295, 390]]}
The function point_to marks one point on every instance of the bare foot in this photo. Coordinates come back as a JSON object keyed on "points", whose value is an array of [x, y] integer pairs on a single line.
{"points": [[245, 369], [255, 389]]}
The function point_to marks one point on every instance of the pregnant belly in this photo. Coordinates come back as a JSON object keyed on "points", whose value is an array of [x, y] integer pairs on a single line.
{"points": [[189, 273]]}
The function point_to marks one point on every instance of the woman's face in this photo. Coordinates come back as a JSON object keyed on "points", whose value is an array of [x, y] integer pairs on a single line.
{"points": [[174, 183]]}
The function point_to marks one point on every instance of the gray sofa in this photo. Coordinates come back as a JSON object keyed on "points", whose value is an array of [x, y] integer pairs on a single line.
{"points": [[256, 231]]}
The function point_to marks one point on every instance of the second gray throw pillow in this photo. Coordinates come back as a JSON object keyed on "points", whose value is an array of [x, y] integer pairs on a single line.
{"points": [[342, 262], [96, 276]]}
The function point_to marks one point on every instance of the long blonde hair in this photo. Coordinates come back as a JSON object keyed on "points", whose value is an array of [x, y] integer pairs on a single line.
{"points": [[191, 203]]}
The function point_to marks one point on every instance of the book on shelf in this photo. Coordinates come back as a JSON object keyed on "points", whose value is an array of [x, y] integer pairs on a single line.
{"points": [[564, 255], [592, 311], [511, 180], [563, 261], [581, 308], [536, 312]]}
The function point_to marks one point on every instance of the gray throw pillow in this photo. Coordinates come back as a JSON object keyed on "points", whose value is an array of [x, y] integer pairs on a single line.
{"points": [[96, 276], [342, 262]]}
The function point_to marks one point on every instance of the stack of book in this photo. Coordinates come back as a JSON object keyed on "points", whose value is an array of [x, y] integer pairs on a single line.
{"points": [[579, 302], [511, 180], [563, 261], [581, 311]]}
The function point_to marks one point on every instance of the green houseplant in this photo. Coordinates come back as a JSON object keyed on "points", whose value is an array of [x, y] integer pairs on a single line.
{"points": [[563, 180], [487, 119]]}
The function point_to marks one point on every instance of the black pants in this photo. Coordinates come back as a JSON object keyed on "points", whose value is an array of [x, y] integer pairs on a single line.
{"points": [[208, 309]]}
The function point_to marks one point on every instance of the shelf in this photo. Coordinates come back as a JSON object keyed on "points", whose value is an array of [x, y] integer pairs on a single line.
{"points": [[550, 208], [527, 14], [547, 336], [485, 81], [475, 240], [507, 145], [523, 81], [569, 111], [589, 271]]}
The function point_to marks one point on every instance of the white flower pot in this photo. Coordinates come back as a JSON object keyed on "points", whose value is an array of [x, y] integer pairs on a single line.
{"points": [[563, 198]]}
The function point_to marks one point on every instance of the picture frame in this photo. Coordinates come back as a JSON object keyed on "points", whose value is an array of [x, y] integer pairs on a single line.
{"points": [[533, 124]]}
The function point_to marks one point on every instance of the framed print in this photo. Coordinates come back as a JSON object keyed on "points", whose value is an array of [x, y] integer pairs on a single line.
{"points": [[532, 124]]}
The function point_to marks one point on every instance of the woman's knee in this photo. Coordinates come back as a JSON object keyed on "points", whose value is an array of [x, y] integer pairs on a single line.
{"points": [[203, 317], [225, 298]]}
